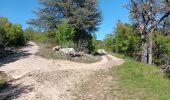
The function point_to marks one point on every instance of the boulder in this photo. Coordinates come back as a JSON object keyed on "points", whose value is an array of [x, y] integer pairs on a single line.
{"points": [[68, 51], [101, 52], [57, 48]]}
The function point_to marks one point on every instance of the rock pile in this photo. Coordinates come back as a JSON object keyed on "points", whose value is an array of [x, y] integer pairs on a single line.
{"points": [[68, 51]]}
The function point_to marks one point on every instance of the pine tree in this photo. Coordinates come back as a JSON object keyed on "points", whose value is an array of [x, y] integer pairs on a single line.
{"points": [[83, 15]]}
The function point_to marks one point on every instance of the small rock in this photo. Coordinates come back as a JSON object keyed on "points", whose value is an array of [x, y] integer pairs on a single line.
{"points": [[57, 48], [101, 52]]}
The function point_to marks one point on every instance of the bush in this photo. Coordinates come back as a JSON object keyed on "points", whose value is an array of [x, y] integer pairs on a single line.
{"points": [[16, 35], [40, 37], [11, 34], [92, 46], [29, 33], [64, 35]]}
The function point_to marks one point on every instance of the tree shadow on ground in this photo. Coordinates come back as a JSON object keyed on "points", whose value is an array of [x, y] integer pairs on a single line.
{"points": [[14, 91], [14, 57], [10, 91]]}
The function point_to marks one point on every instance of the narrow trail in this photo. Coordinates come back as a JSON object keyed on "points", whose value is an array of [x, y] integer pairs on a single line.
{"points": [[37, 78]]}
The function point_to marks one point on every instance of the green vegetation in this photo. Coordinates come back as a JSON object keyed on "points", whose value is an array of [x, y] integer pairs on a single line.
{"points": [[2, 80], [142, 81], [65, 35], [11, 35], [40, 37], [126, 40], [149, 16], [161, 48], [2, 83]]}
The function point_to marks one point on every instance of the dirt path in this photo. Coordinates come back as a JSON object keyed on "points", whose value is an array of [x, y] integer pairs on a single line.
{"points": [[37, 78]]}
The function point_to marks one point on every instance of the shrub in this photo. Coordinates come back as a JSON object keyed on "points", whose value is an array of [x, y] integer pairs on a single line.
{"points": [[16, 35], [92, 46], [29, 33], [40, 37], [64, 35], [11, 34]]}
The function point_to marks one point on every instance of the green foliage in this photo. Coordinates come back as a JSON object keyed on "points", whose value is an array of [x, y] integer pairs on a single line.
{"points": [[11, 34], [93, 46], [142, 81], [125, 40], [109, 42], [41, 37], [83, 15], [65, 35], [29, 33], [161, 48], [16, 35]]}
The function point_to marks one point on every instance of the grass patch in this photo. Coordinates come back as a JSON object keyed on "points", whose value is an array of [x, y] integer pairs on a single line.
{"points": [[46, 52], [144, 81], [3, 79], [2, 83], [118, 55]]}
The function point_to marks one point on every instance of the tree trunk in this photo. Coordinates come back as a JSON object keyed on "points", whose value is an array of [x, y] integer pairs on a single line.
{"points": [[79, 44], [150, 42], [82, 41], [144, 49], [144, 43], [144, 55]]}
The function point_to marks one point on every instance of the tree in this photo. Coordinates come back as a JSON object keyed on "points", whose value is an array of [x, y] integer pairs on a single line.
{"points": [[126, 40], [148, 15], [109, 42], [161, 48], [83, 15]]}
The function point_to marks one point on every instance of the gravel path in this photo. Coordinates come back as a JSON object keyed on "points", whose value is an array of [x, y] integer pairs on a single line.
{"points": [[37, 78]]}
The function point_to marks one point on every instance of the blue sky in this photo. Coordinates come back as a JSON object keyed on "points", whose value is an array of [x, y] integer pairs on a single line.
{"points": [[19, 11]]}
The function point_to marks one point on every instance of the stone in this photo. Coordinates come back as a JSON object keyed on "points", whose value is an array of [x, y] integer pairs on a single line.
{"points": [[68, 51], [101, 52], [57, 48]]}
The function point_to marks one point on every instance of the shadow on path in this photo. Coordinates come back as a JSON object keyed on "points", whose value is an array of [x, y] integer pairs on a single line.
{"points": [[14, 91], [14, 57], [11, 91]]}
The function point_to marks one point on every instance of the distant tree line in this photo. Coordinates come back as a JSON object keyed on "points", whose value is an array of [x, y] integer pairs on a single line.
{"points": [[147, 39], [126, 39]]}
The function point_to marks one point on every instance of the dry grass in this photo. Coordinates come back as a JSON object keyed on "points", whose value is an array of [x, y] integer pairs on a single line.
{"points": [[96, 87], [3, 79], [46, 52]]}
